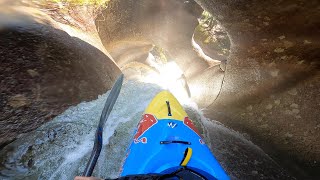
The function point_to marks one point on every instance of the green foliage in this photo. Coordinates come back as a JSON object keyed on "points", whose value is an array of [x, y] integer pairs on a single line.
{"points": [[211, 33], [64, 7], [70, 3], [207, 21], [161, 54], [82, 2]]}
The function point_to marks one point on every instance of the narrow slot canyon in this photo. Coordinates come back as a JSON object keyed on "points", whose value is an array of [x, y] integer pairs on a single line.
{"points": [[249, 70]]}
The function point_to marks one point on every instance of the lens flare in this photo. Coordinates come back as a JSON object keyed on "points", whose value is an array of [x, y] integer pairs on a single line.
{"points": [[169, 76]]}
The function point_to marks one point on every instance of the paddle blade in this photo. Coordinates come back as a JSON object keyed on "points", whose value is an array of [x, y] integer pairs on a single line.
{"points": [[111, 100]]}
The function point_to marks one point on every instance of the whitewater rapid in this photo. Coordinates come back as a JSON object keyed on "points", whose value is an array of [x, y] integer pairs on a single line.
{"points": [[60, 148]]}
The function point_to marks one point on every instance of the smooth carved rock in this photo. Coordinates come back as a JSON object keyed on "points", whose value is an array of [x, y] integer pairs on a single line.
{"points": [[44, 71], [282, 69]]}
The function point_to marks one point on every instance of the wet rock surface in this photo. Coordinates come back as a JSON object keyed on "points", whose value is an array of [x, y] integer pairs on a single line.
{"points": [[240, 157], [44, 71], [271, 85]]}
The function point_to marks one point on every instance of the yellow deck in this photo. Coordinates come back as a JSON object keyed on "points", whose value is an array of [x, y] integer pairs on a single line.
{"points": [[159, 108]]}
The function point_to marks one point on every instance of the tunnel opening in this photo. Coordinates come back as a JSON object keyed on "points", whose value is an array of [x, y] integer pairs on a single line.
{"points": [[193, 40], [160, 69]]}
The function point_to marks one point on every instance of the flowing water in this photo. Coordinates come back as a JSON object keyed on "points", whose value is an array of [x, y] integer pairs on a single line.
{"points": [[60, 148]]}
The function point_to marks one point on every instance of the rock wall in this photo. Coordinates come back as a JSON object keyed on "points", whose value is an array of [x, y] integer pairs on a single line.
{"points": [[271, 85], [44, 70]]}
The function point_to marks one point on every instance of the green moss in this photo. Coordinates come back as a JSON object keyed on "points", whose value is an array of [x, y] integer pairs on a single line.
{"points": [[160, 52], [211, 34], [82, 2], [207, 21], [70, 3]]}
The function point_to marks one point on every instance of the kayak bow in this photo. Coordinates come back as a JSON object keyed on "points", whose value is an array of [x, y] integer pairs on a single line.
{"points": [[166, 141]]}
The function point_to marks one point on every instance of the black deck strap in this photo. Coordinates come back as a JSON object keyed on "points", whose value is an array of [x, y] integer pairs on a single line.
{"points": [[169, 109], [141, 177], [149, 176], [179, 142], [180, 173]]}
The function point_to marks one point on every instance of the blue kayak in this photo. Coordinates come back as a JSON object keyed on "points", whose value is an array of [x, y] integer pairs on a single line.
{"points": [[166, 141]]}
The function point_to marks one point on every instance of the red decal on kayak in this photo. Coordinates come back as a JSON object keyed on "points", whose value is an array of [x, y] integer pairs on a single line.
{"points": [[189, 123], [145, 124], [143, 140]]}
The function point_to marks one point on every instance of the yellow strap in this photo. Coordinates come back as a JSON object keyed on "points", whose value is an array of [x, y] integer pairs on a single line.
{"points": [[187, 156]]}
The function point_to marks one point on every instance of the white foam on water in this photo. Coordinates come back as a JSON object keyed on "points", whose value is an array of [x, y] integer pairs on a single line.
{"points": [[60, 149]]}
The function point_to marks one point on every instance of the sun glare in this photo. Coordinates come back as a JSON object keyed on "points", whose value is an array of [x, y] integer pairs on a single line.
{"points": [[169, 76]]}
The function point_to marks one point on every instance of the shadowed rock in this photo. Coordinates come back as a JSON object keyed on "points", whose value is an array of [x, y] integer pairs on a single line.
{"points": [[271, 85], [44, 71]]}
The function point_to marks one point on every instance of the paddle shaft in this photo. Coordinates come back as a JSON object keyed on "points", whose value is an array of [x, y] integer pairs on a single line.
{"points": [[113, 95]]}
